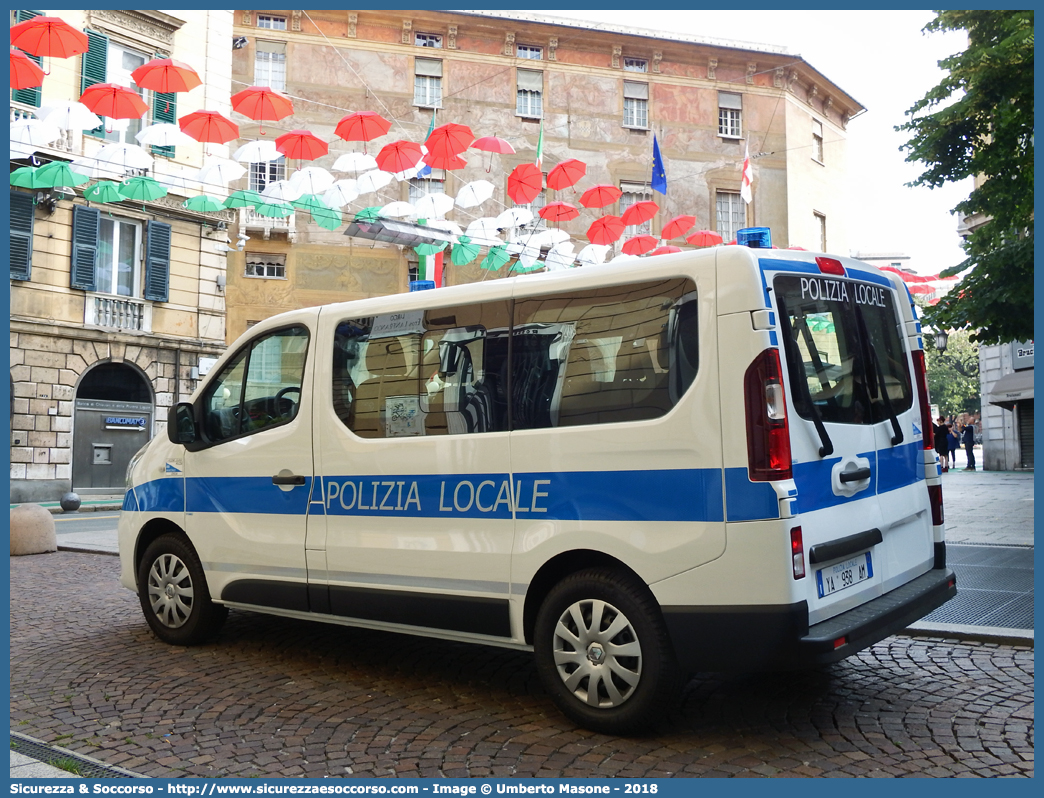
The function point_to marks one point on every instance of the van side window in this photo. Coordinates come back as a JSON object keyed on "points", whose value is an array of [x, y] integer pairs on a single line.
{"points": [[259, 388]]}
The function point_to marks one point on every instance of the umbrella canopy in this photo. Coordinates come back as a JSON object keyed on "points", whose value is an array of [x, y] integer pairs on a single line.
{"points": [[605, 230], [341, 193], [166, 75], [434, 205], [221, 172], [274, 210], [444, 161], [561, 256], [104, 191], [209, 127], [398, 210], [444, 224], [244, 198], [372, 181], [464, 251], [51, 36], [640, 212], [302, 145], [430, 249], [354, 162], [408, 174], [593, 254], [25, 74], [204, 203], [311, 180], [666, 249], [24, 177], [486, 228], [326, 217], [163, 134], [58, 173], [398, 156], [704, 238], [71, 115], [280, 191], [262, 103], [677, 227], [515, 217], [600, 196], [142, 189], [127, 156], [370, 214], [34, 132], [559, 212], [257, 152], [639, 245], [307, 202], [362, 126], [493, 144], [114, 101], [566, 174], [524, 183], [451, 139], [474, 193], [495, 258]]}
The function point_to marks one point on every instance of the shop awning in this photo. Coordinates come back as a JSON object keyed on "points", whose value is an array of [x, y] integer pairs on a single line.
{"points": [[1012, 388]]}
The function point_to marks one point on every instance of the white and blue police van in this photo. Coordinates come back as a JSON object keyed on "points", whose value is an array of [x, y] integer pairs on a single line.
{"points": [[709, 460]]}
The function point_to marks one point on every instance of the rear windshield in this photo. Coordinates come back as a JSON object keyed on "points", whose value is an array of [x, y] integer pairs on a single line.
{"points": [[843, 344]]}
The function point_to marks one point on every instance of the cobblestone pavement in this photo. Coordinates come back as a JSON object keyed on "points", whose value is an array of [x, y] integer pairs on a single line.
{"points": [[276, 697]]}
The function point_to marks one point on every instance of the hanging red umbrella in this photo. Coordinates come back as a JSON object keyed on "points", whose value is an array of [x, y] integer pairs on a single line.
{"points": [[209, 127], [301, 144], [113, 101], [25, 74], [640, 212], [667, 248], [362, 126], [451, 139], [262, 103], [524, 183], [493, 144], [50, 36], [800, 248], [908, 277], [559, 212], [566, 174], [445, 161], [639, 245], [704, 238], [166, 75], [599, 196], [399, 156], [677, 227], [605, 230]]}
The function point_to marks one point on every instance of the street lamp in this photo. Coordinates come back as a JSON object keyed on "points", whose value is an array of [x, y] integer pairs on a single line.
{"points": [[940, 341]]}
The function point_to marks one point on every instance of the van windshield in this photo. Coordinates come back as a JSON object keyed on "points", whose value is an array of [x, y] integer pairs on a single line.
{"points": [[843, 344]]}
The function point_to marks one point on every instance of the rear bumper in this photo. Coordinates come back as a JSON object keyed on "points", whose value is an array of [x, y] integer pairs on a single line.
{"points": [[779, 637]]}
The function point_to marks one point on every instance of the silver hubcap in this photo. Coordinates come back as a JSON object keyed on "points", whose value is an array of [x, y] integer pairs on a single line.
{"points": [[170, 591], [597, 653]]}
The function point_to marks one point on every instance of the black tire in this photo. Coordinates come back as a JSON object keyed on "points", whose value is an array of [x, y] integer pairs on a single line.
{"points": [[174, 595], [615, 676]]}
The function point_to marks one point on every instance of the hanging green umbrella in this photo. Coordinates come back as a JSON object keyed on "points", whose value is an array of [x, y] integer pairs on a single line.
{"points": [[308, 201], [495, 258], [143, 189], [243, 198], [518, 268], [326, 218], [104, 191], [277, 210], [464, 251], [427, 249], [371, 214], [58, 173], [204, 203], [25, 177]]}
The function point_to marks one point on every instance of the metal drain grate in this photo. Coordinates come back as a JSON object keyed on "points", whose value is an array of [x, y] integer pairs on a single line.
{"points": [[994, 587], [50, 754]]}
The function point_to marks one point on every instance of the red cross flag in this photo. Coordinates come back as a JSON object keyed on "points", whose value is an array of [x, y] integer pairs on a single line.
{"points": [[748, 177]]}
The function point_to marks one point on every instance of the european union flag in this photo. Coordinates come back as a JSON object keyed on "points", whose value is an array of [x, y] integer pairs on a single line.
{"points": [[659, 176]]}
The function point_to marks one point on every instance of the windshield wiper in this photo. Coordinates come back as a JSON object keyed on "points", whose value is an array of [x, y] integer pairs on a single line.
{"points": [[897, 431], [795, 360]]}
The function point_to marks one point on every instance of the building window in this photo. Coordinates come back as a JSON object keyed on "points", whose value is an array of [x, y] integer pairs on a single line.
{"points": [[270, 65], [817, 140], [263, 264], [731, 213], [636, 65], [427, 84], [120, 63], [428, 40], [730, 110], [636, 104], [419, 186], [820, 222], [271, 23], [530, 52], [116, 266], [261, 174], [530, 97], [634, 193]]}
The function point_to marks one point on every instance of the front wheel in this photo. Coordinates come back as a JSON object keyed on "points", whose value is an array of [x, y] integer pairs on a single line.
{"points": [[173, 593], [603, 652]]}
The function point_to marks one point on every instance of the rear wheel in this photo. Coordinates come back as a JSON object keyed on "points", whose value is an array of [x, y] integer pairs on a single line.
{"points": [[603, 652], [173, 593]]}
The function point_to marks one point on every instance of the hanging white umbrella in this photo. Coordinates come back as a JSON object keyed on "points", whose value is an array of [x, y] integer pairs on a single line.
{"points": [[515, 217], [529, 256], [128, 156], [593, 254], [474, 193], [221, 172], [24, 151], [311, 180], [407, 174], [447, 225], [560, 257], [624, 256], [72, 115], [35, 132], [257, 152], [355, 162], [434, 204], [397, 210], [94, 168], [281, 191], [487, 227], [164, 134], [341, 193], [372, 181]]}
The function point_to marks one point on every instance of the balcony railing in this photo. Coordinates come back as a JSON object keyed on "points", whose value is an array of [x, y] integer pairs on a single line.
{"points": [[117, 313], [250, 220]]}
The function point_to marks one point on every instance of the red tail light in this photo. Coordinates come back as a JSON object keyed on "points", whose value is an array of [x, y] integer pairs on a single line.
{"points": [[921, 379], [768, 434], [936, 500], [797, 552]]}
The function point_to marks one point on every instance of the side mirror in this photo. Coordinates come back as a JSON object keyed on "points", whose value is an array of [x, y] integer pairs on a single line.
{"points": [[181, 424]]}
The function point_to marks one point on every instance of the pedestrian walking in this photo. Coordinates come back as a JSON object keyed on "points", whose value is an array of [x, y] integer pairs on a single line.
{"points": [[942, 445], [953, 440], [968, 439]]}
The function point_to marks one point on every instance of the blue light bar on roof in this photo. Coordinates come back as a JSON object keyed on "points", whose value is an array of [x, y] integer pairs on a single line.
{"points": [[754, 237]]}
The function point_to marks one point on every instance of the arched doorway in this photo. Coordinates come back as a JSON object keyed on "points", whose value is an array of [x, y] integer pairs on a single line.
{"points": [[113, 420]]}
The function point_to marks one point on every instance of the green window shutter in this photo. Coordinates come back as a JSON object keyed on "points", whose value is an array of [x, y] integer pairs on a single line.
{"points": [[94, 68], [85, 231], [28, 96], [164, 109], [22, 214], [157, 261]]}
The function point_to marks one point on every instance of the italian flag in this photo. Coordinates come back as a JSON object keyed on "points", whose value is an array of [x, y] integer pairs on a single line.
{"points": [[540, 147], [429, 267]]}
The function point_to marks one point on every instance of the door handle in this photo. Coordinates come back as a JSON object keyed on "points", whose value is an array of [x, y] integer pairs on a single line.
{"points": [[854, 476], [288, 479]]}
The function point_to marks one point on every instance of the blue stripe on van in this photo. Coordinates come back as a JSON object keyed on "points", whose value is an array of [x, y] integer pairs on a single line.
{"points": [[895, 468], [899, 466], [158, 496], [749, 501], [244, 495]]}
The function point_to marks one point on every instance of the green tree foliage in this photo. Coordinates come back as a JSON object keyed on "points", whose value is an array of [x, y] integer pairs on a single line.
{"points": [[978, 122], [953, 375]]}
